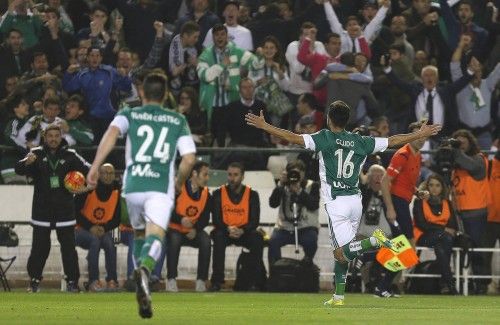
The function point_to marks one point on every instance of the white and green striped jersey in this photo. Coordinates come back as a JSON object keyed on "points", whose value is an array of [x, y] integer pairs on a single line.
{"points": [[154, 135], [341, 157]]}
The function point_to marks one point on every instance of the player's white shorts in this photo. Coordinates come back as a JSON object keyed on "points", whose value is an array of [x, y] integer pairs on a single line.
{"points": [[154, 207], [344, 214]]}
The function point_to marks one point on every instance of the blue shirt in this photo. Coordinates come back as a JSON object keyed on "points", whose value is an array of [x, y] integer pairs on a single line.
{"points": [[96, 86]]}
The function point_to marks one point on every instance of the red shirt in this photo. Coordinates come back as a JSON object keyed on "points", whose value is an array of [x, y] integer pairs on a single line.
{"points": [[404, 169]]}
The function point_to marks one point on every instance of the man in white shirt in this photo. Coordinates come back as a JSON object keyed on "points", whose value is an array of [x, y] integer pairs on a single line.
{"points": [[300, 75], [239, 35]]}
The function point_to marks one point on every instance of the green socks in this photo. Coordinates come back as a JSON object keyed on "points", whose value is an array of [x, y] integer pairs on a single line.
{"points": [[356, 248], [138, 243], [340, 270], [151, 251]]}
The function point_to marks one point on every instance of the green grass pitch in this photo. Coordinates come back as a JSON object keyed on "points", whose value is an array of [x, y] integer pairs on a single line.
{"points": [[252, 308]]}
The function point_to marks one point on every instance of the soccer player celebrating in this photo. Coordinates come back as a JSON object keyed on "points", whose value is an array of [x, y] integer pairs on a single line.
{"points": [[341, 156], [154, 136]]}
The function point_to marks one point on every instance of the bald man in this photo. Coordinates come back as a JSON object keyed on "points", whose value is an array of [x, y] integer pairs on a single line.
{"points": [[97, 214]]}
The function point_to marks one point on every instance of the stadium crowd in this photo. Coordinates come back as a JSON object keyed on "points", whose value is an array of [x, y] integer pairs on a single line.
{"points": [[76, 63]]}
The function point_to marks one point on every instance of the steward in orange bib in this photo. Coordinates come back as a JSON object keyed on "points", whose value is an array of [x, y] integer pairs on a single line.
{"points": [[236, 215], [190, 217], [492, 233], [435, 226], [471, 195], [97, 214]]}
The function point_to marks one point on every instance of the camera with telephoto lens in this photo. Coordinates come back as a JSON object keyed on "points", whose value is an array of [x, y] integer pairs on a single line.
{"points": [[292, 177], [444, 159], [372, 216]]}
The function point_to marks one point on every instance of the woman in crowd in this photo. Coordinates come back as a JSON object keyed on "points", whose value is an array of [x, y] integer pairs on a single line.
{"points": [[197, 119]]}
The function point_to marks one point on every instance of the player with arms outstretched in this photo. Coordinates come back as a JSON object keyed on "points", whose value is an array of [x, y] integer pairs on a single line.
{"points": [[341, 157], [154, 135]]}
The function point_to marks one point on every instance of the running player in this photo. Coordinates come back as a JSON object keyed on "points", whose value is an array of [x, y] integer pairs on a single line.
{"points": [[154, 135], [341, 156]]}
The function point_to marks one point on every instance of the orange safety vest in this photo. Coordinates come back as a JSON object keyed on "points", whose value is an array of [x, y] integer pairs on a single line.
{"points": [[494, 180], [469, 193], [440, 219], [404, 258], [235, 214], [97, 211], [187, 207]]}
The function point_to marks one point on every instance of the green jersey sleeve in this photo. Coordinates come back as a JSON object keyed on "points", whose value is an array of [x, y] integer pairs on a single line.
{"points": [[317, 141]]}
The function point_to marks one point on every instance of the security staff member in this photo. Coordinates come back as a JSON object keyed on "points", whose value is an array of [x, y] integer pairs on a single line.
{"points": [[53, 205], [235, 215], [471, 195], [98, 213], [191, 216]]}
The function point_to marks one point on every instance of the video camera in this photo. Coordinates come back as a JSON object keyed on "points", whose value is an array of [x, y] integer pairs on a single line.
{"points": [[444, 159], [292, 177]]}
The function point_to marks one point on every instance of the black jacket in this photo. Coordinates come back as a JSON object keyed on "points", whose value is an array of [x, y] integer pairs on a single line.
{"points": [[51, 206], [446, 92], [253, 218], [423, 224]]}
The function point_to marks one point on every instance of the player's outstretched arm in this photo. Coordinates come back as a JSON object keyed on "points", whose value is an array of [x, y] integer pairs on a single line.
{"points": [[425, 131], [105, 146], [260, 123]]}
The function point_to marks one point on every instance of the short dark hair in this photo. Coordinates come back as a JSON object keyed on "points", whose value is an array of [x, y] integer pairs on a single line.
{"points": [[309, 99], [378, 120], [54, 11], [242, 80], [467, 3], [14, 101], [51, 101], [347, 59], [15, 30], [77, 99], [236, 164], [189, 28], [306, 25], [198, 165], [351, 18], [331, 35], [398, 47], [38, 54], [339, 113], [155, 86], [99, 7], [95, 48], [218, 28]]}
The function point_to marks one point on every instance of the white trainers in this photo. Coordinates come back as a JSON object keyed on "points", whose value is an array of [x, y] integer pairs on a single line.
{"points": [[172, 285], [200, 286]]}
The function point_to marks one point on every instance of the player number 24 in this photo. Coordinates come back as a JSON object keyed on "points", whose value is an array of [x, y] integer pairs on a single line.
{"points": [[345, 168], [162, 147]]}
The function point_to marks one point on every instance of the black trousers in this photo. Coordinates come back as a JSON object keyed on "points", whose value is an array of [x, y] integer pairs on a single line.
{"points": [[218, 125], [490, 237], [442, 242], [251, 240], [40, 249], [201, 241]]}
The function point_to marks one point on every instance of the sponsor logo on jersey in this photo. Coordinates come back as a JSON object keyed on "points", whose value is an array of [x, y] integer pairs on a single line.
{"points": [[227, 209], [164, 118], [344, 143], [144, 171], [337, 184]]}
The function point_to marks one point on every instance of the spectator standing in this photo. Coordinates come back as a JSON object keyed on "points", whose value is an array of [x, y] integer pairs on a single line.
{"points": [[474, 100], [186, 228], [183, 57], [21, 18], [199, 13], [239, 35], [471, 194], [430, 100], [65, 23], [219, 68], [53, 205], [308, 106], [96, 83], [18, 110], [294, 188], [15, 59], [97, 214], [236, 215]]}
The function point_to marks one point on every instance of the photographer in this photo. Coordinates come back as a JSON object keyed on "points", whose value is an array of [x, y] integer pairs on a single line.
{"points": [[292, 189], [471, 193]]}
